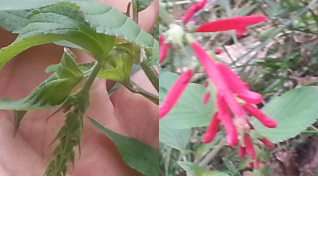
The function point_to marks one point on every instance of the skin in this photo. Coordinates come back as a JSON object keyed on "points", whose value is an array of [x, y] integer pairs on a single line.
{"points": [[123, 112]]}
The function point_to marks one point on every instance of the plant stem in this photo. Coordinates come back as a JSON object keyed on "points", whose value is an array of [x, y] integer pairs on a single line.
{"points": [[133, 87], [151, 73], [95, 70], [135, 11], [208, 158]]}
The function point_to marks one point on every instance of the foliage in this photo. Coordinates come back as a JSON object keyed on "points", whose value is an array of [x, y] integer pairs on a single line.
{"points": [[277, 59], [114, 40]]}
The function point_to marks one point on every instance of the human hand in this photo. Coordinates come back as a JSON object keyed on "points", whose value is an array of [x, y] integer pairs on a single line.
{"points": [[123, 112]]}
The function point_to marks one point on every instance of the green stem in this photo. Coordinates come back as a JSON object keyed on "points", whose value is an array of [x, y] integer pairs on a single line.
{"points": [[133, 87], [95, 70], [151, 73], [208, 158]]}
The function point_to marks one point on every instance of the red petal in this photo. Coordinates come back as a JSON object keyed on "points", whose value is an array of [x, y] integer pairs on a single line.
{"points": [[192, 10], [267, 143], [224, 115], [241, 31], [241, 152], [253, 19], [163, 52], [258, 114], [161, 39], [249, 146], [209, 66], [175, 93], [238, 23], [234, 82], [235, 107], [212, 129], [218, 51]]}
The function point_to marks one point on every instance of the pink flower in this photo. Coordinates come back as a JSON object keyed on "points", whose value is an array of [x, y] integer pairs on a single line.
{"points": [[267, 143], [215, 76], [161, 39], [249, 146], [225, 117], [241, 152], [212, 129], [218, 51], [238, 23], [238, 86], [210, 67], [192, 10], [175, 93], [260, 116], [163, 52]]}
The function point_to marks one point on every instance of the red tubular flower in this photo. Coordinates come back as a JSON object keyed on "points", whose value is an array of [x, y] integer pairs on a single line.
{"points": [[212, 129], [249, 146], [209, 66], [238, 23], [215, 76], [161, 39], [242, 152], [192, 10], [225, 117], [163, 52], [258, 114], [218, 51], [175, 93], [267, 143], [238, 86], [206, 98]]}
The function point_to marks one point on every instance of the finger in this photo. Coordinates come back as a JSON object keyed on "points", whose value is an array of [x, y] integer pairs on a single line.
{"points": [[138, 117]]}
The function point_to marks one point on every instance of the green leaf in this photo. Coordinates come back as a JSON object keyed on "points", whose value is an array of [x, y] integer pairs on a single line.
{"points": [[214, 173], [197, 170], [18, 116], [118, 67], [12, 20], [189, 111], [143, 4], [294, 111], [176, 138], [102, 18], [7, 5], [192, 168], [136, 154], [56, 23], [51, 92]]}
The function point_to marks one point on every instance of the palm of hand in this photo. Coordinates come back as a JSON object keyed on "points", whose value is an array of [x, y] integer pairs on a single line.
{"points": [[28, 153]]}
